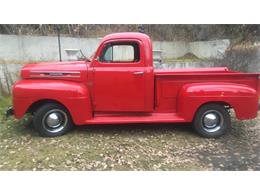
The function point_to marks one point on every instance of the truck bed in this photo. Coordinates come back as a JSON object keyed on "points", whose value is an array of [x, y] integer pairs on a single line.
{"points": [[168, 82]]}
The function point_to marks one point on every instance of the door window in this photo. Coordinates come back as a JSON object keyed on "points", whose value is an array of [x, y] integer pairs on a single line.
{"points": [[120, 52]]}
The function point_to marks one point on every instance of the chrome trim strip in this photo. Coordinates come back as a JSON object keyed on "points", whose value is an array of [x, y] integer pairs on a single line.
{"points": [[50, 76], [58, 72]]}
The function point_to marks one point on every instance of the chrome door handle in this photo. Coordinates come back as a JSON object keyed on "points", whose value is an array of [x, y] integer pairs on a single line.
{"points": [[138, 73]]}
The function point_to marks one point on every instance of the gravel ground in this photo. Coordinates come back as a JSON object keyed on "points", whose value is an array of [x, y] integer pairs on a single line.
{"points": [[129, 147]]}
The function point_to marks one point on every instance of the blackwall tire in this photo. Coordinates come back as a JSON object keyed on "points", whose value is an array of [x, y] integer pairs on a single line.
{"points": [[52, 120], [212, 121]]}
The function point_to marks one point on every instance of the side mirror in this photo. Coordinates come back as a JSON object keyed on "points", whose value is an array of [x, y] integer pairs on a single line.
{"points": [[97, 58]]}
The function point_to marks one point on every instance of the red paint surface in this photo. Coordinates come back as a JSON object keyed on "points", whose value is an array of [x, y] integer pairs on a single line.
{"points": [[112, 93]]}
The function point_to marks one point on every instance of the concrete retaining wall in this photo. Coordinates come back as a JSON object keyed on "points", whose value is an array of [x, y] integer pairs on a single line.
{"points": [[41, 48], [171, 49], [45, 48], [209, 49], [9, 73]]}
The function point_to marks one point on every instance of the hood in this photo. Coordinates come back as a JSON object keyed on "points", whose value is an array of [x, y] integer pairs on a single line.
{"points": [[74, 71]]}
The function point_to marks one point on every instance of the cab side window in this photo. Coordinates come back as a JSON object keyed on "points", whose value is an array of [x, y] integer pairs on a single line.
{"points": [[120, 52]]}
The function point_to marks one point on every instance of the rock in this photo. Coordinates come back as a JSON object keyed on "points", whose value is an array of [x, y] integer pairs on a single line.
{"points": [[52, 166], [53, 142], [73, 169], [68, 162]]}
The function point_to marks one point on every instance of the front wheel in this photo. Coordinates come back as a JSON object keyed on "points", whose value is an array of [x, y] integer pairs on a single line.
{"points": [[52, 120], [212, 120]]}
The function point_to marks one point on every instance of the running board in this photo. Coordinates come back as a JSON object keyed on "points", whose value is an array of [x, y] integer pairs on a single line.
{"points": [[145, 118]]}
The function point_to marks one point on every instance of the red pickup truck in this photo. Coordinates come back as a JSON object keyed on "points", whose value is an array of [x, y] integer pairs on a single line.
{"points": [[119, 85]]}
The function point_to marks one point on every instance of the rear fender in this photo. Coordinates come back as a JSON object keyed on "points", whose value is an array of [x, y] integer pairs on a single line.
{"points": [[242, 98], [74, 96]]}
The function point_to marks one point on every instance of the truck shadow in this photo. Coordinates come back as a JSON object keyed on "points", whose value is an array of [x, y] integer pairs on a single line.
{"points": [[136, 129], [238, 130], [26, 127]]}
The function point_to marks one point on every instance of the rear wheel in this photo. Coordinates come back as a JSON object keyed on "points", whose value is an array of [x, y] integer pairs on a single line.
{"points": [[52, 120], [212, 120]]}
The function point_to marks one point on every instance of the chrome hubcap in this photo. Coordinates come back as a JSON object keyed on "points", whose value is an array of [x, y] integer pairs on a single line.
{"points": [[55, 120], [212, 121]]}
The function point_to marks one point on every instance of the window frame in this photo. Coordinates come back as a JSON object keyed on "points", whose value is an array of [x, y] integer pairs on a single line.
{"points": [[139, 63], [132, 46]]}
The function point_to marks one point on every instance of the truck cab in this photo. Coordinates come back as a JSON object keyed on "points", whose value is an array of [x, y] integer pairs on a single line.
{"points": [[119, 85], [122, 74]]}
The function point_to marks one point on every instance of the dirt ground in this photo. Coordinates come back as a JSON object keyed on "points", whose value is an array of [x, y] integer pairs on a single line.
{"points": [[128, 147]]}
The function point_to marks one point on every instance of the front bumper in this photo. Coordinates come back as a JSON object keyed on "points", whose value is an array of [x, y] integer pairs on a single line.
{"points": [[9, 112]]}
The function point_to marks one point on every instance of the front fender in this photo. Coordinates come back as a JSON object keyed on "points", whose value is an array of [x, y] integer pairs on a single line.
{"points": [[74, 96], [242, 98]]}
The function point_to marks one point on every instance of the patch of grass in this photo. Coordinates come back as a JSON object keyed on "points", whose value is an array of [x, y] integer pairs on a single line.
{"points": [[125, 147], [4, 103]]}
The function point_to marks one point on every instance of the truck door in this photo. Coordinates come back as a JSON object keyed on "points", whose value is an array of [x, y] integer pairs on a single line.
{"points": [[119, 77]]}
